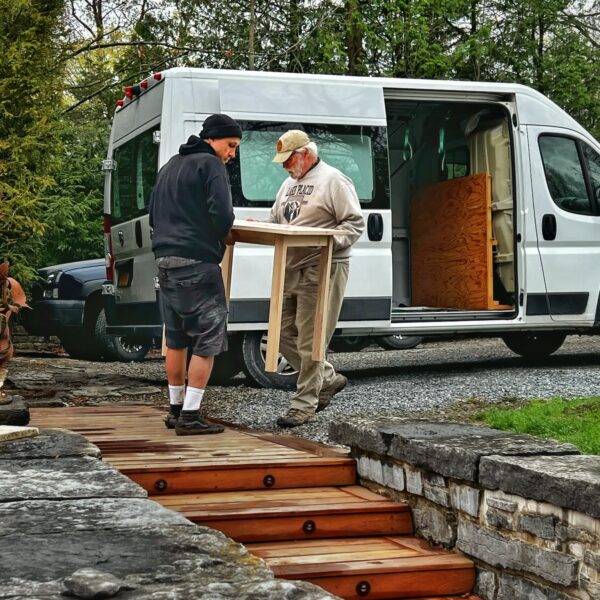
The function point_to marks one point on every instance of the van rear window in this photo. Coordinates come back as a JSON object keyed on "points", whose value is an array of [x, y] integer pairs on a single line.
{"points": [[359, 152], [134, 176]]}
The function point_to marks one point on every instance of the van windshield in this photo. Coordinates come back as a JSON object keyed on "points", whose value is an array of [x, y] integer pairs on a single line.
{"points": [[355, 151]]}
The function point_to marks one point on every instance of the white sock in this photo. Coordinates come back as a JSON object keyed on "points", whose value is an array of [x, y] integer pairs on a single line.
{"points": [[176, 394], [193, 398]]}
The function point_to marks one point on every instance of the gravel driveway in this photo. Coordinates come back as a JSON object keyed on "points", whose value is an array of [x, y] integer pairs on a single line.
{"points": [[429, 378]]}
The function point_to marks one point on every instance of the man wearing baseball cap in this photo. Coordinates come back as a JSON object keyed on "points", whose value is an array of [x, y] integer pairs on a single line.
{"points": [[191, 214], [318, 195]]}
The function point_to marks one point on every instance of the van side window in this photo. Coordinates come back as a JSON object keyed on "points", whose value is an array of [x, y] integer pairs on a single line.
{"points": [[592, 161], [359, 152], [134, 177], [564, 174]]}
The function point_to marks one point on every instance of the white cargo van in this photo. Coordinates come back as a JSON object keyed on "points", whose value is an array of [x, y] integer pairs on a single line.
{"points": [[482, 204]]}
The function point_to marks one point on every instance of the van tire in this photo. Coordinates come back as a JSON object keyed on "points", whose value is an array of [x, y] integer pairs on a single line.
{"points": [[228, 364], [354, 343], [399, 342], [253, 346], [534, 345], [122, 349]]}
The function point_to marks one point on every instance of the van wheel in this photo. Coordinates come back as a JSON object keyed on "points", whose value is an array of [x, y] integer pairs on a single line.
{"points": [[399, 341], [354, 343], [123, 348], [534, 345], [228, 364], [254, 352]]}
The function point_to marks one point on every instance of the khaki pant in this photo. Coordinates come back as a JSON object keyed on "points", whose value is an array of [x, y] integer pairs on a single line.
{"points": [[297, 325]]}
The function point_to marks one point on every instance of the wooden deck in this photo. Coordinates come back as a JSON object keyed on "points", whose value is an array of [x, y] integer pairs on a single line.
{"points": [[293, 502]]}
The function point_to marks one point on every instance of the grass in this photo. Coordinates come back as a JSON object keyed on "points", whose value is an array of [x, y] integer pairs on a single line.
{"points": [[576, 421]]}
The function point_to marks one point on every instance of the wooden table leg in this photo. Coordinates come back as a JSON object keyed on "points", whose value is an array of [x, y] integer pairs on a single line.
{"points": [[318, 349], [226, 268], [276, 306]]}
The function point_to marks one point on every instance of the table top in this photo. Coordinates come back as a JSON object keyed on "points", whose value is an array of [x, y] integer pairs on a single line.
{"points": [[277, 228]]}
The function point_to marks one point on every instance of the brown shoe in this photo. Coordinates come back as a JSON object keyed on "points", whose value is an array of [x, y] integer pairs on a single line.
{"points": [[338, 383], [295, 417]]}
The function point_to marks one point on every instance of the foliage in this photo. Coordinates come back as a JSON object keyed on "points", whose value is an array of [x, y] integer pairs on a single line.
{"points": [[78, 55], [574, 421], [30, 97]]}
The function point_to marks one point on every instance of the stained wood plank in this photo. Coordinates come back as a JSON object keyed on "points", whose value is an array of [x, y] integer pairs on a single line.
{"points": [[451, 244]]}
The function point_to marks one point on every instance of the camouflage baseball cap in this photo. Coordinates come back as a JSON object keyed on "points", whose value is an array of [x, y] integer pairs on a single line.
{"points": [[288, 142]]}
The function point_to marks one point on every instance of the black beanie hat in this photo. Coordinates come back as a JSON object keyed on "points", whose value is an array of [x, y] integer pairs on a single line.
{"points": [[220, 126]]}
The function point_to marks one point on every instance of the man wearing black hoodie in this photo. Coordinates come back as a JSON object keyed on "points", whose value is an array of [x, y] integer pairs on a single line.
{"points": [[191, 215]]}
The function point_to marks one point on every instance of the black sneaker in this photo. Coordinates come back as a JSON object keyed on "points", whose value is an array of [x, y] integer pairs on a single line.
{"points": [[173, 415], [190, 423]]}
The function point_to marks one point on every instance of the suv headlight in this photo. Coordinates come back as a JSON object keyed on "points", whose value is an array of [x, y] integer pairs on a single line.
{"points": [[51, 288]]}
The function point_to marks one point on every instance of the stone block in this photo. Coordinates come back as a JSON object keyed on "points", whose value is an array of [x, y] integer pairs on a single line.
{"points": [[65, 478], [449, 449], [50, 443], [499, 519], [439, 495], [592, 559], [371, 469], [500, 551], [516, 588], [414, 482], [14, 412], [566, 481], [542, 526], [465, 499], [501, 504], [436, 525], [485, 584], [393, 477]]}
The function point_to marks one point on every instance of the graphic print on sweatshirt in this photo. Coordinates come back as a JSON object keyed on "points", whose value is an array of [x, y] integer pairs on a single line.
{"points": [[295, 200]]}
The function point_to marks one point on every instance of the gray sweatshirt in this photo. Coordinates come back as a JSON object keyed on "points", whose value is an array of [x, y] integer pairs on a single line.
{"points": [[324, 197]]}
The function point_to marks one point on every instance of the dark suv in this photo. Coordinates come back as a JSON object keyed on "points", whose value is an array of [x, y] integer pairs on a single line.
{"points": [[66, 301]]}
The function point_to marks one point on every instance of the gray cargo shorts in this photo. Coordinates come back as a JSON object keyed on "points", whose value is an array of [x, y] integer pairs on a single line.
{"points": [[194, 308]]}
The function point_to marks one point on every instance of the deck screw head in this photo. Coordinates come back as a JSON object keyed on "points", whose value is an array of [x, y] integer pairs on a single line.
{"points": [[160, 485], [309, 527], [363, 588], [269, 481]]}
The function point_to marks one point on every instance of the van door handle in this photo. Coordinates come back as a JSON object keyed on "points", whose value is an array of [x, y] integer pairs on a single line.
{"points": [[375, 227], [549, 227], [138, 234]]}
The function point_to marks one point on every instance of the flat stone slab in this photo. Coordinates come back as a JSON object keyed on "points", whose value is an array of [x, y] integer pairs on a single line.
{"points": [[30, 517], [567, 481], [50, 443], [64, 478], [14, 412], [14, 432], [162, 562], [450, 449]]}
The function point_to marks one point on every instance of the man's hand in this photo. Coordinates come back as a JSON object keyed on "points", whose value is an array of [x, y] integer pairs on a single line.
{"points": [[231, 238]]}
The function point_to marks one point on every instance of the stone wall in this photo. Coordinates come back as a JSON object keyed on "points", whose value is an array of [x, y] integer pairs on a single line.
{"points": [[24, 342], [527, 511]]}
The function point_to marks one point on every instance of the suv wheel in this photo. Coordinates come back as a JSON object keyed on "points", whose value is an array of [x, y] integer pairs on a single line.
{"points": [[124, 348], [254, 352]]}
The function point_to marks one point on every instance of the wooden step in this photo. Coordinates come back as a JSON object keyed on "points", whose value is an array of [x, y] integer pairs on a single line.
{"points": [[294, 514], [136, 441], [374, 568]]}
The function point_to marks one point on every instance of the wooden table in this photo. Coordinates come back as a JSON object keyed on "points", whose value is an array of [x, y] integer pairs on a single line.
{"points": [[283, 237]]}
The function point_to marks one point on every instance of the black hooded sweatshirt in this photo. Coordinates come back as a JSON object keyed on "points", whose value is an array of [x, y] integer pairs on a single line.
{"points": [[190, 207]]}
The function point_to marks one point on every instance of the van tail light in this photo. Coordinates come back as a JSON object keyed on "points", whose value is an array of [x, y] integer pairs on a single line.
{"points": [[109, 259]]}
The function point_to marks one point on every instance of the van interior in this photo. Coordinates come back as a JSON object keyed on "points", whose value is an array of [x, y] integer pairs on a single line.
{"points": [[451, 190]]}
